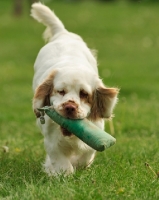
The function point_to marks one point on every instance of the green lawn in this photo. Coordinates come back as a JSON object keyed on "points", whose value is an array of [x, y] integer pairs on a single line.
{"points": [[127, 39]]}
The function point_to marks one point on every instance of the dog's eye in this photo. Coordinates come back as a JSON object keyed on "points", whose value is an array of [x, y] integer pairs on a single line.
{"points": [[83, 94], [62, 92]]}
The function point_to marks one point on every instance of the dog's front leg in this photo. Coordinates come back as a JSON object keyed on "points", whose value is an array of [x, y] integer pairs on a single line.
{"points": [[85, 159], [54, 166], [57, 159], [57, 162]]}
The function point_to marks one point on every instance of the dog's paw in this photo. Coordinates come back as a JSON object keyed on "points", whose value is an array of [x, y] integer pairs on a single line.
{"points": [[57, 168]]}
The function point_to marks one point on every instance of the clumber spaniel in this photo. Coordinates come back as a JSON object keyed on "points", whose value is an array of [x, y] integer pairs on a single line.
{"points": [[66, 76]]}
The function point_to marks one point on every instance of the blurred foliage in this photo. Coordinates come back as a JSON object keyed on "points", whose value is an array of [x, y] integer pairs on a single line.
{"points": [[134, 1], [106, 1], [144, 1]]}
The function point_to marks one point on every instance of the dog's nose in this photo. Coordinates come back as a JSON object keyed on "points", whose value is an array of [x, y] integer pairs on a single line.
{"points": [[70, 109]]}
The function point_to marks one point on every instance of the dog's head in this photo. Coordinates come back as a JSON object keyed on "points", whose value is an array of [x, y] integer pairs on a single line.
{"points": [[76, 94]]}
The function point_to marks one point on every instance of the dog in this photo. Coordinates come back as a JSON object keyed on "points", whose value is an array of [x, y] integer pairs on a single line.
{"points": [[66, 77]]}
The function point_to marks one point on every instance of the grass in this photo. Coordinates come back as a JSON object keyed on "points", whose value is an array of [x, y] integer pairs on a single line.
{"points": [[127, 38]]}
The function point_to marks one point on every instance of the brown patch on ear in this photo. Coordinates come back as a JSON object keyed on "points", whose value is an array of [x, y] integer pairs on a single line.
{"points": [[104, 100], [42, 94], [108, 92]]}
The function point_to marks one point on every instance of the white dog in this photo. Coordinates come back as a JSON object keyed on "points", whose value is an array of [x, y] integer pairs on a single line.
{"points": [[66, 76]]}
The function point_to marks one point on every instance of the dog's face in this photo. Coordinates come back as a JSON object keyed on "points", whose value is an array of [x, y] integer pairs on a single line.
{"points": [[72, 93], [76, 94]]}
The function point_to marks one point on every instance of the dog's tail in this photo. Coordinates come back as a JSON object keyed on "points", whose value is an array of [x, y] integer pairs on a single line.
{"points": [[47, 17]]}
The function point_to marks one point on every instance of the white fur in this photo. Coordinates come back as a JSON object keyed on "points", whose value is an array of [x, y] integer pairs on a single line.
{"points": [[75, 69]]}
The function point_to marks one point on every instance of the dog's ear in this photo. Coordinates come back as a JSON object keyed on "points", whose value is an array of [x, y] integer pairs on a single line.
{"points": [[104, 100], [42, 94]]}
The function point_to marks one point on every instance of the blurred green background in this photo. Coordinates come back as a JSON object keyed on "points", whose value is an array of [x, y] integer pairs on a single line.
{"points": [[126, 35]]}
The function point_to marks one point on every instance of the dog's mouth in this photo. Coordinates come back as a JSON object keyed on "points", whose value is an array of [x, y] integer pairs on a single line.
{"points": [[65, 132]]}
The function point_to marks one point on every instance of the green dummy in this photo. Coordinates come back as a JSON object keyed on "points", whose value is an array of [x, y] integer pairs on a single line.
{"points": [[82, 128]]}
